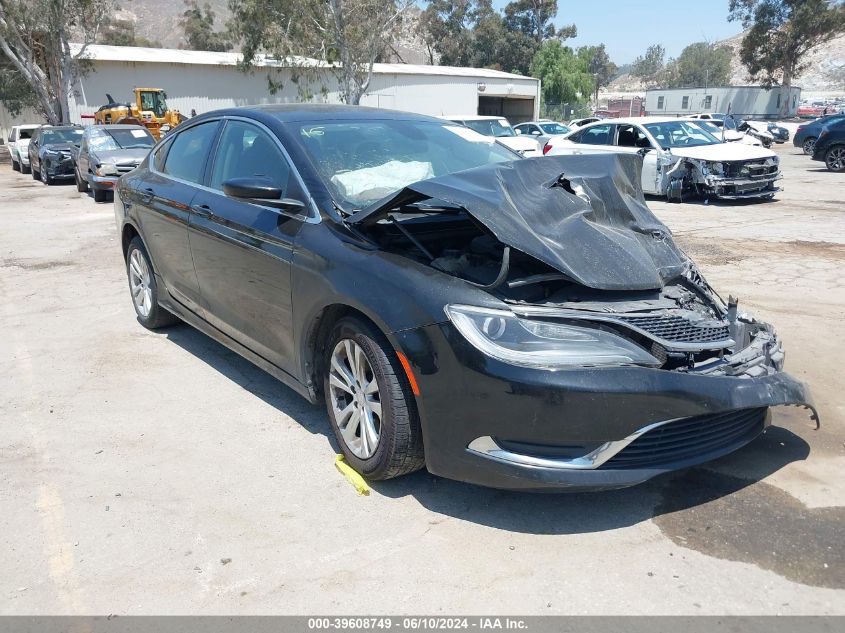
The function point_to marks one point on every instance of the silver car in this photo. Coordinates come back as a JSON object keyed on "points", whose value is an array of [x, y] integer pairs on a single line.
{"points": [[106, 153]]}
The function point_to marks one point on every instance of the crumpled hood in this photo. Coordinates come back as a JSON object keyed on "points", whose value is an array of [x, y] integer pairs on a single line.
{"points": [[131, 156], [583, 215], [724, 151], [59, 147]]}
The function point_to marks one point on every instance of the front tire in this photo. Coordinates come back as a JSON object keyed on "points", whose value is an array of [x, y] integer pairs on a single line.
{"points": [[16, 166], [45, 176], [835, 158], [143, 288], [81, 183], [370, 403], [36, 175], [100, 195], [24, 168], [809, 146]]}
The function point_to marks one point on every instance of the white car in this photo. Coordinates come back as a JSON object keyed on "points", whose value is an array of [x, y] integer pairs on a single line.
{"points": [[18, 145], [680, 157], [718, 129], [499, 128]]}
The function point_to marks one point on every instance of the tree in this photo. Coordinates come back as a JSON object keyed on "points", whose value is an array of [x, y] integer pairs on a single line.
{"points": [[599, 66], [198, 26], [35, 36], [463, 33], [564, 75], [699, 64], [15, 93], [529, 23], [779, 35], [649, 66], [347, 36], [117, 32]]}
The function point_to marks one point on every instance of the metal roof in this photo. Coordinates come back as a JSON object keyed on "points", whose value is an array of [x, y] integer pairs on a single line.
{"points": [[101, 52]]}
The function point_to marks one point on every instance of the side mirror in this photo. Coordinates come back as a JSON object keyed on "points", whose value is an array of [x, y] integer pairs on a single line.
{"points": [[261, 191], [643, 151]]}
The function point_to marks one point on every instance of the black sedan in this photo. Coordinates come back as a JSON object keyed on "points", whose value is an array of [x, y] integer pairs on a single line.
{"points": [[517, 323], [807, 133], [830, 146], [51, 152]]}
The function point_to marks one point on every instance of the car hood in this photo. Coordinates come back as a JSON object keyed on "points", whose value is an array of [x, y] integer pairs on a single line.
{"points": [[583, 215], [131, 156], [519, 143], [59, 147], [723, 152]]}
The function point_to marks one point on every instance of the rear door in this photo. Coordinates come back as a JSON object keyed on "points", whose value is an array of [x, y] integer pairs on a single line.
{"points": [[163, 204], [242, 250]]}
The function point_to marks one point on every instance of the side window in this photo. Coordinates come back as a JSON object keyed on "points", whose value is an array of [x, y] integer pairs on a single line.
{"points": [[247, 151], [158, 156], [596, 135], [660, 102], [188, 151], [708, 102], [14, 135], [685, 103], [576, 138]]}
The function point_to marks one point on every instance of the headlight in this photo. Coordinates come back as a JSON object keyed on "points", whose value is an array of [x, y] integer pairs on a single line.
{"points": [[541, 344], [715, 168], [164, 128], [107, 169]]}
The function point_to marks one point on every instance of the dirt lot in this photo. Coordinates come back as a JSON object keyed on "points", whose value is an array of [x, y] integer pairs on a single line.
{"points": [[159, 473]]}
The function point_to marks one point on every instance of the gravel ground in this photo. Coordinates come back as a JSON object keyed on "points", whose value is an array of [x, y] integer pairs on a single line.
{"points": [[147, 473]]}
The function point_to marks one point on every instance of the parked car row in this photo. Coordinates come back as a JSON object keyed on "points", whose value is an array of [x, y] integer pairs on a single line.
{"points": [[94, 157], [824, 140]]}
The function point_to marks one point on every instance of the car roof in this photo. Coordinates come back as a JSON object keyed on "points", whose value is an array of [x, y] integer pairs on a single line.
{"points": [[323, 112], [119, 126], [472, 117], [27, 126]]}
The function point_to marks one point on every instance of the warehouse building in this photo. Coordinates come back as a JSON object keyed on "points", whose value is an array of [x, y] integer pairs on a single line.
{"points": [[745, 102], [203, 81]]}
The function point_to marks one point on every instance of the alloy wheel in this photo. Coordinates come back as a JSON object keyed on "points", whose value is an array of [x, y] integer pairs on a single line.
{"points": [[809, 146], [355, 398], [139, 283], [835, 159]]}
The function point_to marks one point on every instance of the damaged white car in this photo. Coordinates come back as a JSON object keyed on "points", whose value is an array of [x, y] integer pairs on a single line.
{"points": [[680, 157]]}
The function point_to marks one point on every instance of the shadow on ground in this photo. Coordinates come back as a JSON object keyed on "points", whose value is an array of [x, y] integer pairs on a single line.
{"points": [[724, 510]]}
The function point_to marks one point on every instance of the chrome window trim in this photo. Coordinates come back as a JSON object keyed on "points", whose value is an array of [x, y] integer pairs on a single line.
{"points": [[313, 218]]}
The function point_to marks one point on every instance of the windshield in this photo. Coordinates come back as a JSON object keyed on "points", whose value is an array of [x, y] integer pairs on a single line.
{"points": [[155, 102], [361, 162], [554, 128], [491, 127], [120, 138], [49, 137], [680, 134]]}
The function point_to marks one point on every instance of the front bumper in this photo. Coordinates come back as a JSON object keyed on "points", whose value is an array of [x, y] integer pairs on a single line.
{"points": [[58, 167], [103, 182], [742, 188], [466, 397]]}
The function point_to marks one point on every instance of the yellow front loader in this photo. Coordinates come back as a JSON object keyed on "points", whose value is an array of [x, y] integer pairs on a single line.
{"points": [[150, 110]]}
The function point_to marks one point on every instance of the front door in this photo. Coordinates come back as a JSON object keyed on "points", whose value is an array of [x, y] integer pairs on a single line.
{"points": [[242, 251]]}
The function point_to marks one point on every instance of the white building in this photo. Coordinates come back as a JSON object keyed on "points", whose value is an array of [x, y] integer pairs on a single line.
{"points": [[745, 102], [203, 81]]}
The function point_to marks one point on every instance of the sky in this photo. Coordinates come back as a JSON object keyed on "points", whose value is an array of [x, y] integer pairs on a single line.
{"points": [[628, 27]]}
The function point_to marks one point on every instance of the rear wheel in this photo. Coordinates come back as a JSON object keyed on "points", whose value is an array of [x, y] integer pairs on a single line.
{"points": [[143, 288], [835, 158], [370, 404], [809, 146]]}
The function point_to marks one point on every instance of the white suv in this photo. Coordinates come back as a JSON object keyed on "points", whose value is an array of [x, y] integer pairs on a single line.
{"points": [[18, 144]]}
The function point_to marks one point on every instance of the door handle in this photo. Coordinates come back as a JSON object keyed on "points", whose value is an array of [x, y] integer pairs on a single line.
{"points": [[148, 194], [202, 210]]}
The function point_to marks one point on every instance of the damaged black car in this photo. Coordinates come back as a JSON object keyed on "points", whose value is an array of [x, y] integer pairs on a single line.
{"points": [[511, 322]]}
